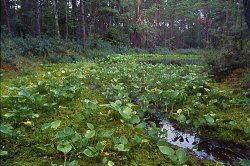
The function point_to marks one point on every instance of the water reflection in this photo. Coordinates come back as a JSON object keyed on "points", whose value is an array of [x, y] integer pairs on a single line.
{"points": [[178, 138], [210, 149]]}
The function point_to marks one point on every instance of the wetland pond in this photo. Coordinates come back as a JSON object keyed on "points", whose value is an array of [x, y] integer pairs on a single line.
{"points": [[203, 148]]}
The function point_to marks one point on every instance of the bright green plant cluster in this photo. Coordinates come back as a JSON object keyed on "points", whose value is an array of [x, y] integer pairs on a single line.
{"points": [[30, 95], [179, 156], [124, 81]]}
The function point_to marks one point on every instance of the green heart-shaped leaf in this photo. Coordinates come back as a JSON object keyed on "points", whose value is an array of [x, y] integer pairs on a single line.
{"points": [[181, 154], [166, 150], [65, 148], [90, 133]]}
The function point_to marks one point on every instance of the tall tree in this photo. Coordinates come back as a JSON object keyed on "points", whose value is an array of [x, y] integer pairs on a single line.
{"points": [[82, 22], [171, 25], [206, 13], [8, 21], [66, 20], [226, 26], [37, 18], [246, 4], [74, 16], [54, 2], [157, 14], [137, 19]]}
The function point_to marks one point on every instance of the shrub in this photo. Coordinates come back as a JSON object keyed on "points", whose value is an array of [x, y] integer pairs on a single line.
{"points": [[94, 41], [9, 50], [230, 58], [160, 50], [55, 50], [190, 51], [121, 49], [113, 35], [137, 50], [94, 53], [97, 47]]}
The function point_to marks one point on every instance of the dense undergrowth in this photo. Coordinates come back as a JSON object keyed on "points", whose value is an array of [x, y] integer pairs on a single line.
{"points": [[92, 112], [54, 50], [234, 56]]}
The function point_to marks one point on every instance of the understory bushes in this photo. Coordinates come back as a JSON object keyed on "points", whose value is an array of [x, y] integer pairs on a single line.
{"points": [[186, 51], [231, 57], [190, 51], [57, 50], [61, 51], [54, 50]]}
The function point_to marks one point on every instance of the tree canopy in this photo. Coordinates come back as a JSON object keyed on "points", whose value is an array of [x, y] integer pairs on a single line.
{"points": [[147, 23]]}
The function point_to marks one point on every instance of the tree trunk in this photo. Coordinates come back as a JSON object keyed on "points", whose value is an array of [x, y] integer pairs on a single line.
{"points": [[136, 35], [74, 16], [37, 18], [206, 24], [95, 28], [82, 22], [171, 25], [54, 2], [8, 21], [66, 20], [226, 31], [238, 4], [157, 22], [157, 14], [246, 4]]}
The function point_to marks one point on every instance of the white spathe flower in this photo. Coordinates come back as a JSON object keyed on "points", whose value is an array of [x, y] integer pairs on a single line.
{"points": [[179, 111]]}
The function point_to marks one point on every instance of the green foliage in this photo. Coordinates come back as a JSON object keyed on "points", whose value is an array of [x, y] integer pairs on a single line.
{"points": [[160, 50], [189, 51], [72, 163], [89, 107], [247, 130], [55, 50], [133, 90], [96, 46], [244, 162], [29, 97], [121, 49], [67, 139], [121, 143], [108, 11], [88, 104], [125, 112], [231, 58], [53, 125], [6, 129], [178, 156], [153, 130], [9, 50], [113, 35], [96, 42], [171, 58]]}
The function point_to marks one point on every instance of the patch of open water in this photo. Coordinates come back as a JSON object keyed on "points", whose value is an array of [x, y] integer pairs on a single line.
{"points": [[211, 149]]}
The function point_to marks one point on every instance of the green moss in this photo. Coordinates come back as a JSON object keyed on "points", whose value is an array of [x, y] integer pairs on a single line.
{"points": [[222, 129]]}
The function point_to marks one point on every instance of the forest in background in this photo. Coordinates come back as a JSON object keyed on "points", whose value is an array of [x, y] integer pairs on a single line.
{"points": [[136, 23], [69, 30]]}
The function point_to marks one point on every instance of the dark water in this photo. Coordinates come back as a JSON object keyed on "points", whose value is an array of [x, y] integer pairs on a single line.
{"points": [[210, 149]]}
